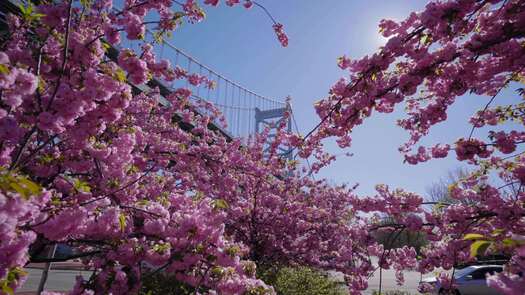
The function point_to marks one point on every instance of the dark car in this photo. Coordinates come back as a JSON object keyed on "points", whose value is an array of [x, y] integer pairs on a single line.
{"points": [[471, 280]]}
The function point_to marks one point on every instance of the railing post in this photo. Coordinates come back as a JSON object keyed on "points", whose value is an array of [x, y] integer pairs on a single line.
{"points": [[45, 271]]}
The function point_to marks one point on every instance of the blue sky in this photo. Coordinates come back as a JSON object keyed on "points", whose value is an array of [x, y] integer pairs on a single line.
{"points": [[241, 45]]}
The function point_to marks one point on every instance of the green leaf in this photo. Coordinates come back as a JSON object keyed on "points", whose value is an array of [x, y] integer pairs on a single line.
{"points": [[157, 36], [19, 271], [220, 204], [178, 15], [37, 16], [199, 248], [474, 237], [20, 184], [4, 70], [28, 13], [81, 186], [142, 202], [32, 187], [440, 206], [8, 290], [233, 250], [55, 201], [479, 247], [198, 196], [113, 183], [132, 169], [86, 3], [509, 242], [161, 248], [498, 232], [426, 39], [211, 258], [41, 85], [122, 221], [19, 189], [120, 75], [217, 272], [46, 159], [105, 45], [513, 242], [22, 8]]}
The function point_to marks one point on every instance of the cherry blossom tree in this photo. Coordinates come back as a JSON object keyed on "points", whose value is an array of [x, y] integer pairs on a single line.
{"points": [[138, 184], [431, 60], [132, 183]]}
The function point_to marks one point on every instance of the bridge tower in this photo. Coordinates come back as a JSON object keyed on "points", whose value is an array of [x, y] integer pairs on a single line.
{"points": [[272, 118]]}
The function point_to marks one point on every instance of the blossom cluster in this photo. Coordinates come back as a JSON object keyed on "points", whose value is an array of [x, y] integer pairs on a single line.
{"points": [[137, 183], [430, 61]]}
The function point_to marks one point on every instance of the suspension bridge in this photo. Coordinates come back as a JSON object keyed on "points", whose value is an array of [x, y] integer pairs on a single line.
{"points": [[245, 111]]}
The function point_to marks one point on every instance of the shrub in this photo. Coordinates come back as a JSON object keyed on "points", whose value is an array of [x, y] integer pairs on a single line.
{"points": [[301, 281], [164, 284]]}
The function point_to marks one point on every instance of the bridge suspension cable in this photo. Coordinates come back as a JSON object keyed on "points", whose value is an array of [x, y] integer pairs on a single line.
{"points": [[237, 103]]}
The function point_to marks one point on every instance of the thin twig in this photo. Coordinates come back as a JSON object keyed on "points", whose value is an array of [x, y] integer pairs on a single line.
{"points": [[65, 53], [120, 189], [22, 148], [492, 99], [266, 11], [350, 87]]}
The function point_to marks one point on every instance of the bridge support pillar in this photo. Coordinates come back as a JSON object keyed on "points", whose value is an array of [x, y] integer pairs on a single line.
{"points": [[272, 118]]}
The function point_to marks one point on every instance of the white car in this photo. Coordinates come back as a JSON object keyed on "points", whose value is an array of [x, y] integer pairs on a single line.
{"points": [[471, 280]]}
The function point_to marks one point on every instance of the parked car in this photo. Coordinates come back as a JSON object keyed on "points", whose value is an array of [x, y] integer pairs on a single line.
{"points": [[471, 280]]}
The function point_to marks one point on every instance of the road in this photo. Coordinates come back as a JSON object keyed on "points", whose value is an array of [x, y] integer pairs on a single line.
{"points": [[389, 282], [412, 279], [57, 280], [63, 280]]}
